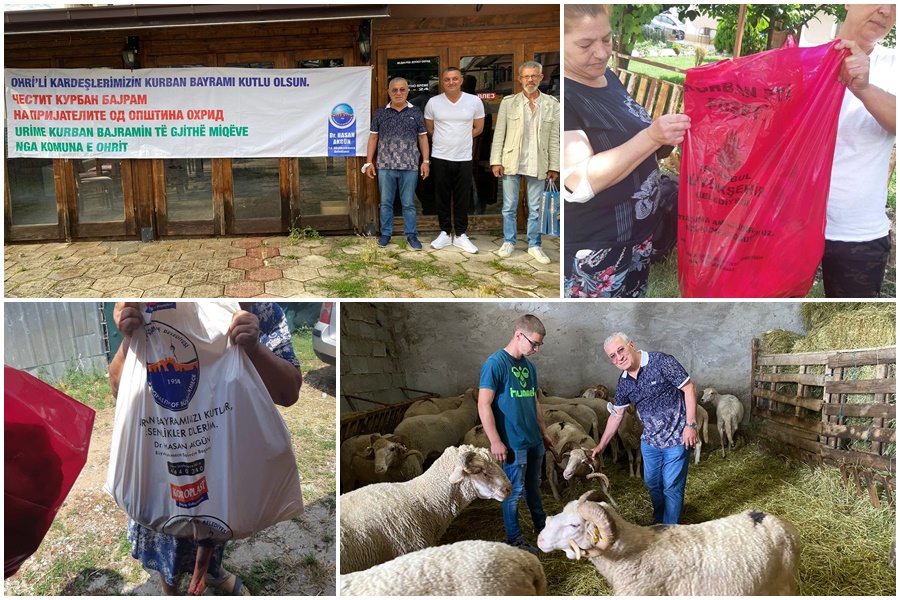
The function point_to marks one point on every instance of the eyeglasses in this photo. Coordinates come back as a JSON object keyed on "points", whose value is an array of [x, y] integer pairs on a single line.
{"points": [[534, 345], [530, 76]]}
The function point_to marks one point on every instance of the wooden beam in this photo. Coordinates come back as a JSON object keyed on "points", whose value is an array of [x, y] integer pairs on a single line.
{"points": [[860, 432], [864, 356], [811, 427], [798, 378], [739, 37], [839, 457], [800, 358], [783, 434], [862, 386], [874, 411], [808, 403]]}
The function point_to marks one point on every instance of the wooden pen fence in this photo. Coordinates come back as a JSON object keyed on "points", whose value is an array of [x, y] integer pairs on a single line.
{"points": [[834, 408], [378, 420]]}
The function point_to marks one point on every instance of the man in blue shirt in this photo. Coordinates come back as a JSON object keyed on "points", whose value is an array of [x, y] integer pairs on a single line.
{"points": [[398, 134], [514, 424], [666, 399]]}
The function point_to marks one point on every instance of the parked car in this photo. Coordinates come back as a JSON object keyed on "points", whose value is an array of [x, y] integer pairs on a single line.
{"points": [[325, 335], [669, 25]]}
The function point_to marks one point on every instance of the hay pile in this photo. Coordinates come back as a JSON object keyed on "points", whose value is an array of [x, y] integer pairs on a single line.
{"points": [[837, 326], [844, 540]]}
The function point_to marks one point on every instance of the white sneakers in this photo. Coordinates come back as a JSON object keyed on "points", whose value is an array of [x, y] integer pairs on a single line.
{"points": [[441, 241], [506, 250], [538, 254], [463, 241]]}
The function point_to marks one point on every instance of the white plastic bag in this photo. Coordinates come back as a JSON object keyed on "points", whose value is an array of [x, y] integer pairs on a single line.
{"points": [[198, 448]]}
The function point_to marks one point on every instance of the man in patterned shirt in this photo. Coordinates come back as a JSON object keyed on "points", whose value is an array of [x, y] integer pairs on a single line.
{"points": [[398, 135], [666, 399]]}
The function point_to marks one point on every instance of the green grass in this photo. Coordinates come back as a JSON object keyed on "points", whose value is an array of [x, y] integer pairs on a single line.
{"points": [[268, 575], [417, 269], [463, 280], [682, 62], [303, 348], [501, 266], [90, 388], [663, 281], [346, 288]]}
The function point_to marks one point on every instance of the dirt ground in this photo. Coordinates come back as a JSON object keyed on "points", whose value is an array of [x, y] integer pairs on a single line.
{"points": [[86, 551]]}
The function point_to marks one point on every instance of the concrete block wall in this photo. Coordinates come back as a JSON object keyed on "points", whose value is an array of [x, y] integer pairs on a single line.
{"points": [[370, 365]]}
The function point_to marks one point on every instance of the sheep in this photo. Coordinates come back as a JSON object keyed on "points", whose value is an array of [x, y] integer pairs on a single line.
{"points": [[375, 458], [383, 521], [583, 415], [630, 430], [434, 406], [477, 437], [553, 415], [598, 391], [467, 568], [432, 434], [702, 431], [748, 554], [729, 414], [598, 405], [567, 437]]}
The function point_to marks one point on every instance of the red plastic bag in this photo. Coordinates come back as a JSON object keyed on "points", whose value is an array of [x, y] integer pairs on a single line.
{"points": [[45, 446], [756, 167]]}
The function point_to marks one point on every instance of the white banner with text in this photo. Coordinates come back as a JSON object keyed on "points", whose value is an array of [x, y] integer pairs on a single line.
{"points": [[209, 112]]}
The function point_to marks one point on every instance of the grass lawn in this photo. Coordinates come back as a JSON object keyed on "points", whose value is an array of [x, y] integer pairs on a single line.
{"points": [[682, 62]]}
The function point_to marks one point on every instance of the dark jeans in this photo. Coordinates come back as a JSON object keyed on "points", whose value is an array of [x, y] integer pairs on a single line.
{"points": [[665, 475], [855, 269], [452, 184], [524, 474]]}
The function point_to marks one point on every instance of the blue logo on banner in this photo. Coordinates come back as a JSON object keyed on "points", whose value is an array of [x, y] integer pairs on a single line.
{"points": [[342, 131]]}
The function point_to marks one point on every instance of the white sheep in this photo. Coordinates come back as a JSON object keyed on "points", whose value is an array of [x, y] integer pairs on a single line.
{"points": [[383, 521], [598, 391], [432, 434], [748, 554], [566, 438], [467, 568], [376, 458], [477, 437], [598, 405], [729, 414], [583, 415], [630, 430], [433, 406]]}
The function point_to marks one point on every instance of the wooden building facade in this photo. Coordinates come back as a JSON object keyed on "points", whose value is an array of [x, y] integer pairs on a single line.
{"points": [[72, 199]]}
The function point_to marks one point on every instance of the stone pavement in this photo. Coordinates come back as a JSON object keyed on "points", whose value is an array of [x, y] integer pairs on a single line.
{"points": [[277, 267]]}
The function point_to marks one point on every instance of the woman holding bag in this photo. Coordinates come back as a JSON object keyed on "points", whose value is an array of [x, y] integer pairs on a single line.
{"points": [[261, 330], [611, 177]]}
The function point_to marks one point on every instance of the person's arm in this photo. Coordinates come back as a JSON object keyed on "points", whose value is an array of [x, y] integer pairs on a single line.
{"points": [[477, 127], [690, 434], [855, 75], [127, 319], [498, 141], [612, 426], [371, 149], [548, 443], [424, 169], [553, 172], [607, 168], [485, 399], [429, 126], [282, 379]]}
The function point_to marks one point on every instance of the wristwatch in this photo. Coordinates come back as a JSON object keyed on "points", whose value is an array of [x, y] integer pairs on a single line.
{"points": [[691, 425], [365, 166]]}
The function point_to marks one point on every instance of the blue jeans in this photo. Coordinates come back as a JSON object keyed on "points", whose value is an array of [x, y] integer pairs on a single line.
{"points": [[665, 474], [525, 476], [388, 182], [534, 189]]}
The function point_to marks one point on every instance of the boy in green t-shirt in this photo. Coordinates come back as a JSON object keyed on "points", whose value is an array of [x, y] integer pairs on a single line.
{"points": [[514, 423]]}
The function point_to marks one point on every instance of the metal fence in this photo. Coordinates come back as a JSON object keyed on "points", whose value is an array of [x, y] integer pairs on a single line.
{"points": [[47, 339]]}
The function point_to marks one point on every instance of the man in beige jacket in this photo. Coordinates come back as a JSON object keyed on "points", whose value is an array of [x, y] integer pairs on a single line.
{"points": [[526, 144]]}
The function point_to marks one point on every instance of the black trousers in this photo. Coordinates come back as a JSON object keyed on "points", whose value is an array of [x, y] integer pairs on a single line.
{"points": [[452, 187], [855, 269]]}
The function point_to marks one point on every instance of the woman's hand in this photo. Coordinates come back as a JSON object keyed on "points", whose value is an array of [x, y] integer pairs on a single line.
{"points": [[127, 317], [669, 130], [855, 68], [244, 331]]}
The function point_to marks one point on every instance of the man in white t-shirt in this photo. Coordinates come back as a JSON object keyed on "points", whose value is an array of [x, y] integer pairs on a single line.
{"points": [[453, 119], [857, 231]]}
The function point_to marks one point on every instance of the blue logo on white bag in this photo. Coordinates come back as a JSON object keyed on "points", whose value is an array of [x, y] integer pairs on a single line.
{"points": [[174, 376], [342, 131]]}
